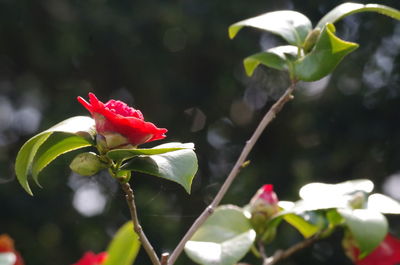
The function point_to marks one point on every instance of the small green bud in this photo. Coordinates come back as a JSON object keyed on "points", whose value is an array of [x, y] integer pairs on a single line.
{"points": [[123, 175], [311, 39], [87, 164], [358, 200]]}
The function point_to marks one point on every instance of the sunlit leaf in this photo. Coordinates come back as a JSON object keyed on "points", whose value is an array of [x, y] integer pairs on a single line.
{"points": [[124, 247], [290, 25], [79, 125], [383, 204], [223, 239], [346, 9], [179, 166], [368, 228], [123, 154], [317, 190], [56, 145], [324, 57], [305, 228], [277, 58]]}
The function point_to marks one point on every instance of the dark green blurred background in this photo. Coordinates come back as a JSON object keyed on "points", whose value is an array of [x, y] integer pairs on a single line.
{"points": [[173, 60]]}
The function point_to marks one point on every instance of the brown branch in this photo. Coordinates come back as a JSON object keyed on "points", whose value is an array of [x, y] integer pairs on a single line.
{"points": [[283, 254], [130, 199], [164, 258], [270, 116]]}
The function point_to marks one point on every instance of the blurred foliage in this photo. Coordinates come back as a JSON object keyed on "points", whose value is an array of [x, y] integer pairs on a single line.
{"points": [[175, 62]]}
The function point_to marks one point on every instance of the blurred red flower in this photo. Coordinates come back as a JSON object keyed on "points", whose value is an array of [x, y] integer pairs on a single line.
{"points": [[90, 258], [7, 246], [120, 124], [387, 253]]}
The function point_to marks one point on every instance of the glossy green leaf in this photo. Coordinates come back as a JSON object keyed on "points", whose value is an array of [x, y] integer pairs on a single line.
{"points": [[277, 58], [305, 228], [368, 228], [223, 239], [290, 25], [324, 57], [123, 154], [124, 247], [383, 204], [56, 145], [79, 125], [179, 166], [346, 9], [315, 190], [318, 196]]}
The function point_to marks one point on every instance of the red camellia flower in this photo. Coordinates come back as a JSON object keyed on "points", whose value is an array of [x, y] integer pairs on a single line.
{"points": [[387, 253], [7, 248], [120, 124], [91, 258]]}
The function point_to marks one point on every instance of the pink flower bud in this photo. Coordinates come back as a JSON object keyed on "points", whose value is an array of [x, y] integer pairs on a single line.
{"points": [[263, 206], [387, 253]]}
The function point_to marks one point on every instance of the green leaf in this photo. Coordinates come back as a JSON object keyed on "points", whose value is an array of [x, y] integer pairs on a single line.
{"points": [[290, 25], [346, 9], [179, 166], [383, 204], [56, 145], [324, 57], [277, 58], [79, 125], [123, 154], [223, 239], [297, 221], [368, 228], [124, 247], [318, 196]]}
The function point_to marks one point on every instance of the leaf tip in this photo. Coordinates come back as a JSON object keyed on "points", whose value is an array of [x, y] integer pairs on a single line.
{"points": [[250, 65], [233, 30]]}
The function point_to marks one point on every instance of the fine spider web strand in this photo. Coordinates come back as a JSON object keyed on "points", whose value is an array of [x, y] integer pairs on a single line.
{"points": [[269, 116]]}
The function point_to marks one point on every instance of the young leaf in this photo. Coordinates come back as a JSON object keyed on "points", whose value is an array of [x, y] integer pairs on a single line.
{"points": [[124, 247], [346, 9], [179, 166], [223, 239], [275, 58], [79, 125], [56, 145], [290, 25], [123, 154], [368, 228], [326, 55], [305, 228]]}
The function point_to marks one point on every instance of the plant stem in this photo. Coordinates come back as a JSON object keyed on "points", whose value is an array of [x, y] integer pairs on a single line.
{"points": [[283, 254], [130, 199], [271, 114]]}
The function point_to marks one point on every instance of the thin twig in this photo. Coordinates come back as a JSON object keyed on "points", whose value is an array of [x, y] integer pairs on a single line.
{"points": [[130, 199], [283, 254], [235, 170]]}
